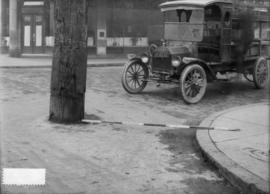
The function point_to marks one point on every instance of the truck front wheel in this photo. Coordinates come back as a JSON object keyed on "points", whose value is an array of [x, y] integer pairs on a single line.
{"points": [[193, 82], [134, 77]]}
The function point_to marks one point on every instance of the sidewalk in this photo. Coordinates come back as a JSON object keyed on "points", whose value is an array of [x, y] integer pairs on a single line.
{"points": [[41, 61], [242, 157]]}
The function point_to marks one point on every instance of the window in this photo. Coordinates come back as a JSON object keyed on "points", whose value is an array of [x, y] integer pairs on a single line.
{"points": [[171, 16], [181, 15], [265, 31], [27, 19], [38, 19], [212, 13], [227, 19]]}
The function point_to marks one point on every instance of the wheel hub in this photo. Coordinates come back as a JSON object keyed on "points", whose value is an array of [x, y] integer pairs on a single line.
{"points": [[194, 84], [135, 76], [196, 81]]}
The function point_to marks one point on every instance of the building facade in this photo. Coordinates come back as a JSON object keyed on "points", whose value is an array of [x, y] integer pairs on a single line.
{"points": [[114, 26]]}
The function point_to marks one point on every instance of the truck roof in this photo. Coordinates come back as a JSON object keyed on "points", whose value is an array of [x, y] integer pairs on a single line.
{"points": [[190, 3]]}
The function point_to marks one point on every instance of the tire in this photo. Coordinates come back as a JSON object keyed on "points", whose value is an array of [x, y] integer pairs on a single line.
{"points": [[134, 75], [193, 82], [260, 73]]}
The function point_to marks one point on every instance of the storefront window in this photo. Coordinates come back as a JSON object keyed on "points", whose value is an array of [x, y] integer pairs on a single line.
{"points": [[131, 22]]}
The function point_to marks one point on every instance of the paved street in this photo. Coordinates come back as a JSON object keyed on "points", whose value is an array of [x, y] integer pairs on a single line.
{"points": [[105, 83], [114, 158]]}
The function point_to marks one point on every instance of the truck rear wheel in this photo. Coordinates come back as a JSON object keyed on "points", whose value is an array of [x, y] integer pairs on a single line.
{"points": [[193, 82], [260, 73]]}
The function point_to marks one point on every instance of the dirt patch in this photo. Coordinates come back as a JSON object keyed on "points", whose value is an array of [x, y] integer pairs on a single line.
{"points": [[74, 128], [186, 155], [119, 128], [91, 117], [202, 186], [187, 159], [176, 114]]}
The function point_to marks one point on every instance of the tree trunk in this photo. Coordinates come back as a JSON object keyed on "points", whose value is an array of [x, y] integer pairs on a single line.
{"points": [[68, 77]]}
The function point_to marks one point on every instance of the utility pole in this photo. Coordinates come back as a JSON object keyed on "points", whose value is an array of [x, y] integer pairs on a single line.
{"points": [[68, 77]]}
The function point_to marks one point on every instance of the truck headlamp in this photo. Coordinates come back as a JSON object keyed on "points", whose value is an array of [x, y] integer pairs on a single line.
{"points": [[176, 62], [145, 59]]}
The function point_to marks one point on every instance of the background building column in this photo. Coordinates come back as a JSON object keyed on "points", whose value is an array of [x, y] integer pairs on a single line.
{"points": [[1, 24], [51, 18], [101, 41], [2, 7], [14, 43]]}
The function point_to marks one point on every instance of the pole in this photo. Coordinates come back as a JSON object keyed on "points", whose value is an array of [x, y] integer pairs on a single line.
{"points": [[68, 77]]}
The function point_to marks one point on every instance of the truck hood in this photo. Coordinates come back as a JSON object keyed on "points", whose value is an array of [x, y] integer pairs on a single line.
{"points": [[167, 51]]}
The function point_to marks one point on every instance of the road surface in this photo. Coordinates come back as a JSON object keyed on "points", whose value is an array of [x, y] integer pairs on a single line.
{"points": [[112, 158]]}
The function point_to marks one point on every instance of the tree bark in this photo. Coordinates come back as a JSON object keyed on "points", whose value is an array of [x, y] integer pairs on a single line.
{"points": [[68, 77]]}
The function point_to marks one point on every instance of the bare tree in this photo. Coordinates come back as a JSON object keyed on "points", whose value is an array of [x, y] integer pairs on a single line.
{"points": [[68, 77]]}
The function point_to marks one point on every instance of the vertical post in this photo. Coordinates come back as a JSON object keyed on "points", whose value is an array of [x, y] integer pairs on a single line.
{"points": [[1, 26], [14, 43], [68, 77], [51, 18], [101, 28]]}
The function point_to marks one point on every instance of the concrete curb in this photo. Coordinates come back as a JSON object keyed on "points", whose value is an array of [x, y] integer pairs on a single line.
{"points": [[49, 66], [238, 176]]}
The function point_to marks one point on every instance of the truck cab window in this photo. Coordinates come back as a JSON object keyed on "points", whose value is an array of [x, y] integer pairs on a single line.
{"points": [[184, 15]]}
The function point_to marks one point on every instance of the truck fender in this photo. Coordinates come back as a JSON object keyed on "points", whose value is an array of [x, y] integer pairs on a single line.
{"points": [[209, 72], [136, 59]]}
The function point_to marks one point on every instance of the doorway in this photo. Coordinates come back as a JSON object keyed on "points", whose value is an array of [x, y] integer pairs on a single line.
{"points": [[33, 34]]}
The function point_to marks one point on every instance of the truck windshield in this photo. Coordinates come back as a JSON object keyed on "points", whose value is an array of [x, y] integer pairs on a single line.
{"points": [[183, 25], [182, 15]]}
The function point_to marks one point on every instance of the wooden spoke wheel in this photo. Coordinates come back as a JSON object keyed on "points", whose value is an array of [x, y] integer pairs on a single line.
{"points": [[193, 82], [260, 73], [134, 77]]}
